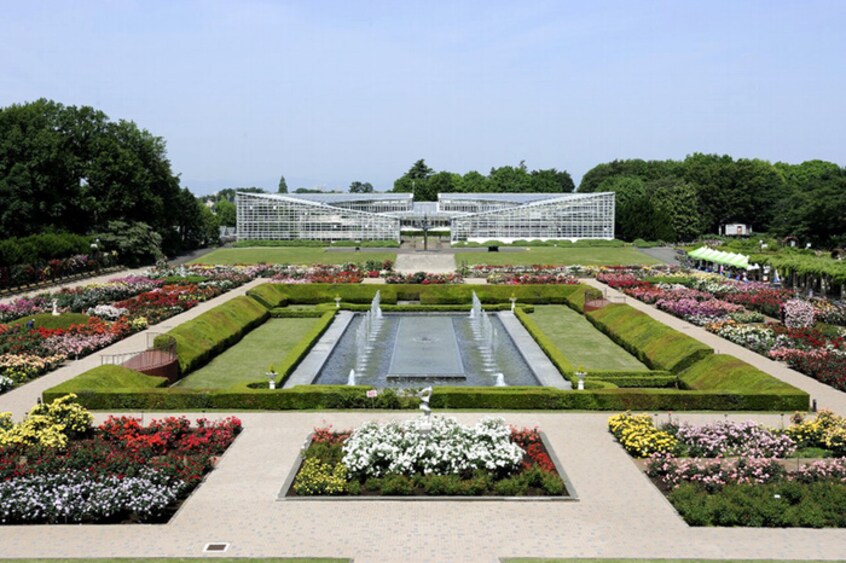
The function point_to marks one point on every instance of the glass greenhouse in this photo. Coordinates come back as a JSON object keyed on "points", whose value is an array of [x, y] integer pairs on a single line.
{"points": [[470, 217]]}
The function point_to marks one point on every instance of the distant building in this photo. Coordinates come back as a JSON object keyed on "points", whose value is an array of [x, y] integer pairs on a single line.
{"points": [[381, 216], [737, 230]]}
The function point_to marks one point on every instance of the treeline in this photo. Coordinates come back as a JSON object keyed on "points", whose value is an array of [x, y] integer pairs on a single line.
{"points": [[69, 169], [674, 200], [41, 248], [426, 184]]}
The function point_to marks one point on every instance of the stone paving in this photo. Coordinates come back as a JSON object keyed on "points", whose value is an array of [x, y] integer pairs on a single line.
{"points": [[432, 262], [619, 514]]}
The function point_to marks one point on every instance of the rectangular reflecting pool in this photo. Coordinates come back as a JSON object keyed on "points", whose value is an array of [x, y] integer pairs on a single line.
{"points": [[415, 350]]}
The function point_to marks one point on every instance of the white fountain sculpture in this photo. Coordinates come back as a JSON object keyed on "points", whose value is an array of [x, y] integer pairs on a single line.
{"points": [[351, 377], [425, 396], [500, 380]]}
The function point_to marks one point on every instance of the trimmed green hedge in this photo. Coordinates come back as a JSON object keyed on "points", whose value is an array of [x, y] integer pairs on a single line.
{"points": [[320, 397], [273, 295], [653, 379], [726, 373], [285, 313], [197, 341], [576, 300], [615, 378], [296, 354], [550, 349], [463, 294], [652, 342], [106, 379]]}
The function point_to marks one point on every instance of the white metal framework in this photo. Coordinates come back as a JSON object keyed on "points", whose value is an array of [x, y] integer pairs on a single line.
{"points": [[568, 216], [279, 217], [471, 217]]}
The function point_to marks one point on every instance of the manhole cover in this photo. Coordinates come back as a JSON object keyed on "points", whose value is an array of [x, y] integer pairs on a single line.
{"points": [[218, 547]]}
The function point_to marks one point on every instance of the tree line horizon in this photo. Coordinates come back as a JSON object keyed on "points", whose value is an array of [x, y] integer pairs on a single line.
{"points": [[72, 169]]}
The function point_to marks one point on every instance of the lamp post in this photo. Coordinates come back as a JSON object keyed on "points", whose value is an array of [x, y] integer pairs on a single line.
{"points": [[425, 224]]}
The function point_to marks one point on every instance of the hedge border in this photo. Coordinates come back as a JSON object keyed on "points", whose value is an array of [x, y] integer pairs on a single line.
{"points": [[324, 397], [699, 350]]}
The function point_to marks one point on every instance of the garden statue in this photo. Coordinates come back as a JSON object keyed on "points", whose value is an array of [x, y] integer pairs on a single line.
{"points": [[425, 396], [55, 307]]}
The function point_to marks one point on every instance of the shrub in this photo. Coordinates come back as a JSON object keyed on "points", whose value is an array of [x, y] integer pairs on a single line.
{"points": [[782, 504], [319, 478], [397, 485], [639, 436], [727, 373], [105, 378], [49, 425], [651, 341], [199, 340]]}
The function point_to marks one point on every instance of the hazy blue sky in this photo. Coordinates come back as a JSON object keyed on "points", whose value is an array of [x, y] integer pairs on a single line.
{"points": [[330, 92]]}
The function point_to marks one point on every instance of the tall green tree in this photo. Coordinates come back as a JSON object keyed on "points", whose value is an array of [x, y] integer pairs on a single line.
{"points": [[630, 199], [415, 181], [361, 187], [675, 200], [510, 179], [815, 207], [226, 213], [71, 168], [283, 185], [474, 182], [552, 181]]}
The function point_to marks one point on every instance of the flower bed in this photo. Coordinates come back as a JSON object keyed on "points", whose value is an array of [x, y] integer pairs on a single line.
{"points": [[117, 309], [412, 459], [718, 304], [56, 469], [734, 475], [332, 273], [423, 278], [533, 278]]}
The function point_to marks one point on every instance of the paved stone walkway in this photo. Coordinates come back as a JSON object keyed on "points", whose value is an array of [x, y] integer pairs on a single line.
{"points": [[826, 397], [619, 514], [432, 262]]}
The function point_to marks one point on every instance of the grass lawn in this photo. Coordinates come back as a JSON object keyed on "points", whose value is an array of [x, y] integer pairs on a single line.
{"points": [[562, 560], [585, 256], [249, 359], [47, 320], [290, 255], [581, 342]]}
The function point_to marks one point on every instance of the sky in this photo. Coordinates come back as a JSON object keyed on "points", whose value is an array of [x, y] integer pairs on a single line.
{"points": [[330, 92]]}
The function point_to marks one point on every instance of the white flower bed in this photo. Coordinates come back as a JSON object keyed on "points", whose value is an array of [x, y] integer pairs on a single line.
{"points": [[76, 496], [108, 312], [375, 450]]}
